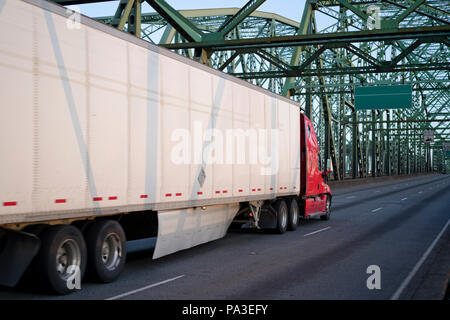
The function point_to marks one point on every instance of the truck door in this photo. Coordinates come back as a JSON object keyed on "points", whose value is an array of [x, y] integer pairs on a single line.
{"points": [[312, 151], [312, 180], [309, 149], [303, 156]]}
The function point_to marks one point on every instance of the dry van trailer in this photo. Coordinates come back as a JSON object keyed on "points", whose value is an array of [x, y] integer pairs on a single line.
{"points": [[106, 137]]}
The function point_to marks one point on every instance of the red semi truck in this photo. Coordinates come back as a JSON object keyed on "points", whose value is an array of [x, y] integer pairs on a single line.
{"points": [[107, 138]]}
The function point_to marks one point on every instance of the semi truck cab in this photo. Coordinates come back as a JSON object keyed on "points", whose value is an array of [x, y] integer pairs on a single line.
{"points": [[314, 190]]}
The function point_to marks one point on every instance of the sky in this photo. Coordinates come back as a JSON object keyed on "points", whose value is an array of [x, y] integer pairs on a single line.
{"points": [[291, 9]]}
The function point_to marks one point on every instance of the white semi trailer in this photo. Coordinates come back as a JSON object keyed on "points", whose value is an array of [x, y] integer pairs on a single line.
{"points": [[105, 138]]}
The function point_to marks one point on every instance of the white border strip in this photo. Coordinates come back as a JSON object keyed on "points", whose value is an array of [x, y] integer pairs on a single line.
{"points": [[416, 268]]}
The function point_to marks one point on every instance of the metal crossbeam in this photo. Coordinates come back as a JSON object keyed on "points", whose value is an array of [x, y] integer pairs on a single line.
{"points": [[234, 20], [432, 34], [185, 27]]}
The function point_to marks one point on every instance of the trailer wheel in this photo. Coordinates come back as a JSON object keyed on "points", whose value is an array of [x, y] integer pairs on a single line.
{"points": [[61, 260], [106, 250], [282, 216], [327, 214], [293, 215]]}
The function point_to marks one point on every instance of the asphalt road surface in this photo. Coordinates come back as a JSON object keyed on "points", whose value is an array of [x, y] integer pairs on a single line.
{"points": [[391, 225]]}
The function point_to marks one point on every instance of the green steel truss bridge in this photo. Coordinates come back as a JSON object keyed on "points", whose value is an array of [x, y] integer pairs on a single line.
{"points": [[407, 43]]}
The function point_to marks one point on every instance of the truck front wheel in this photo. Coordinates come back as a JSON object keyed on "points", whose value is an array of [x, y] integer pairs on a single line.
{"points": [[61, 260], [106, 250]]}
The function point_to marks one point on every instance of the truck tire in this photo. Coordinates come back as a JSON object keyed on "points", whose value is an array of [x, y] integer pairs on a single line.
{"points": [[293, 215], [282, 216], [61, 261], [106, 247], [327, 214]]}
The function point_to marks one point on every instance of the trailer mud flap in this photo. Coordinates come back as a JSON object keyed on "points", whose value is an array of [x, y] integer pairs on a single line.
{"points": [[183, 229], [17, 249]]}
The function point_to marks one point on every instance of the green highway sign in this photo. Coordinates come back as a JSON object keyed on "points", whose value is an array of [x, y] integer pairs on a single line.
{"points": [[383, 97]]}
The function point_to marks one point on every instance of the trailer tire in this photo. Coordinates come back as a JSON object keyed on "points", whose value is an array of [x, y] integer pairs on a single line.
{"points": [[327, 214], [63, 244], [282, 216], [293, 215], [106, 247]]}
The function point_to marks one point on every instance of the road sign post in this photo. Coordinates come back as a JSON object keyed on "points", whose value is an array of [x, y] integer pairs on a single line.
{"points": [[428, 136]]}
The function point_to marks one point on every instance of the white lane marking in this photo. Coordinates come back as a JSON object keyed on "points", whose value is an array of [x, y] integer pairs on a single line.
{"points": [[418, 264], [377, 191], [308, 234], [143, 288], [420, 192], [351, 197], [377, 209], [404, 199]]}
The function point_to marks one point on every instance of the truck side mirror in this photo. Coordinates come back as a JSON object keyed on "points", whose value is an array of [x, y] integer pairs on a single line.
{"points": [[326, 173], [328, 169]]}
